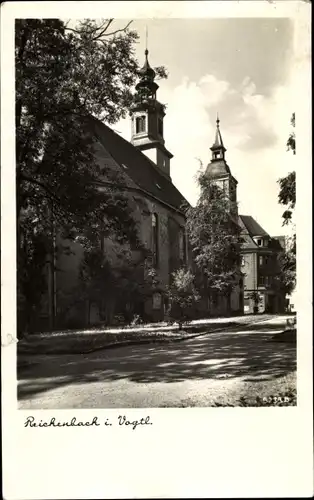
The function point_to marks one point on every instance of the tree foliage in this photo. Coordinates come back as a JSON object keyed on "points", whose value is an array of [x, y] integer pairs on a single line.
{"points": [[66, 74], [287, 191], [182, 296], [285, 278], [215, 239], [287, 195], [117, 276], [291, 138]]}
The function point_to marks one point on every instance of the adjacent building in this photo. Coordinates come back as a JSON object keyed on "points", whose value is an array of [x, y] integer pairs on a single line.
{"points": [[260, 254]]}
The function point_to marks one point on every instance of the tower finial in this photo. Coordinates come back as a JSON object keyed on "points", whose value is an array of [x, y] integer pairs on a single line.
{"points": [[217, 120], [146, 41], [147, 85]]}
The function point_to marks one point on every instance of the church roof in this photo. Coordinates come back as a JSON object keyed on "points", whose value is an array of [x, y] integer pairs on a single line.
{"points": [[147, 71], [218, 143], [218, 168], [137, 166]]}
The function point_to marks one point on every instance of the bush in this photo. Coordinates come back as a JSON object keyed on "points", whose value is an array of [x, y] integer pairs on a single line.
{"points": [[182, 296], [137, 320]]}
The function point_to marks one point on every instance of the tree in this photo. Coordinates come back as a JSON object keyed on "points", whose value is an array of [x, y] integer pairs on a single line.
{"points": [[215, 239], [286, 277], [291, 139], [182, 296], [287, 192], [64, 76], [117, 279]]}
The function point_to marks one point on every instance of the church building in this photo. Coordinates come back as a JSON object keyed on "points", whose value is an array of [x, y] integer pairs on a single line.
{"points": [[144, 164], [157, 205]]}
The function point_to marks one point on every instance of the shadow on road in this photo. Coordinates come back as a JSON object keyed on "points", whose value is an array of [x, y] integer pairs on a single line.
{"points": [[247, 354]]}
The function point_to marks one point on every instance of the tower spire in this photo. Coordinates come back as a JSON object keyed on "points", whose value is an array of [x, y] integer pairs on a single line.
{"points": [[146, 87], [218, 149], [148, 118]]}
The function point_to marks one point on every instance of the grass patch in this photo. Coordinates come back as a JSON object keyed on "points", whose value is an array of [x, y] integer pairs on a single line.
{"points": [[82, 342]]}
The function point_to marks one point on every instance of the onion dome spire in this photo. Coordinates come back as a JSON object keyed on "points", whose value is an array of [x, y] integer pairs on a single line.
{"points": [[147, 85]]}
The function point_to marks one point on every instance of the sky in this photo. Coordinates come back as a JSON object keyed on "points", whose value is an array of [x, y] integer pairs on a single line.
{"points": [[244, 70]]}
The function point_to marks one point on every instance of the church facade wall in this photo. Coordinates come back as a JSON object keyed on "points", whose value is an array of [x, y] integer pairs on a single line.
{"points": [[73, 310]]}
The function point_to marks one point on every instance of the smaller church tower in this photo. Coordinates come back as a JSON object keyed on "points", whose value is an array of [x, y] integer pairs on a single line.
{"points": [[220, 172], [148, 120]]}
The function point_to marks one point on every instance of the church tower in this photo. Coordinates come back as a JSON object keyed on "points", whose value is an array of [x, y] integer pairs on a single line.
{"points": [[220, 172], [148, 120]]}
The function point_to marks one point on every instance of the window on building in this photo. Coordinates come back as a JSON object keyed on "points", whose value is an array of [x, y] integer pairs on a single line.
{"points": [[140, 124], [160, 127], [182, 247], [260, 242], [261, 260], [267, 280], [155, 249], [262, 280], [233, 193]]}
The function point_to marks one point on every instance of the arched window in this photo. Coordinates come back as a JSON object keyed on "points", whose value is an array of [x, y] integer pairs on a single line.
{"points": [[140, 124], [155, 249], [182, 247]]}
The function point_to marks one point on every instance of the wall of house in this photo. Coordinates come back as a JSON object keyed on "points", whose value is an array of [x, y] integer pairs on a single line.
{"points": [[235, 300], [249, 269], [255, 270]]}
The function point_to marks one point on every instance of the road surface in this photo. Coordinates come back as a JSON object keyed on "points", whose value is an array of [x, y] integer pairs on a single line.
{"points": [[195, 372]]}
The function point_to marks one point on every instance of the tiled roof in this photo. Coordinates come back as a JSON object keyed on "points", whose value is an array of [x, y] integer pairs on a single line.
{"points": [[251, 229], [247, 241], [137, 166], [252, 226]]}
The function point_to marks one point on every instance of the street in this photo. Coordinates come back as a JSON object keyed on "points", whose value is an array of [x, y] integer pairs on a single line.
{"points": [[221, 366]]}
